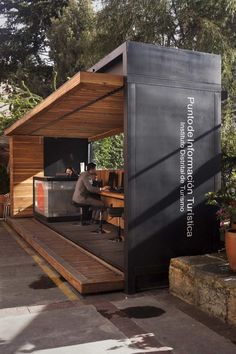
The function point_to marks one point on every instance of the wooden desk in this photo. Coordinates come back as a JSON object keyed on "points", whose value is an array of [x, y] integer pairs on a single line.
{"points": [[114, 195], [115, 200]]}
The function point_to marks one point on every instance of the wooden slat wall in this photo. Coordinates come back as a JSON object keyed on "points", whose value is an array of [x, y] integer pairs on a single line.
{"points": [[115, 202], [26, 161], [112, 200], [104, 175], [89, 105]]}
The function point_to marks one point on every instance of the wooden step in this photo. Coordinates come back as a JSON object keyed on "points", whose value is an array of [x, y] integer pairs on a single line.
{"points": [[84, 271]]}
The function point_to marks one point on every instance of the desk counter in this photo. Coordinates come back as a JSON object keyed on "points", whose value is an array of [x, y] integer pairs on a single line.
{"points": [[113, 195], [115, 200], [52, 198]]}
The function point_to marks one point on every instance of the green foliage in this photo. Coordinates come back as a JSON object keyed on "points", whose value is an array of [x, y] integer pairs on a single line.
{"points": [[140, 20], [108, 153], [15, 103], [228, 143], [70, 37], [200, 25], [228, 131], [4, 180], [224, 201], [27, 24], [23, 42], [75, 37]]}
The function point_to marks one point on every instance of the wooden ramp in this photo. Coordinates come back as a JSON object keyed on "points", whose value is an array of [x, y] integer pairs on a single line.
{"points": [[87, 273]]}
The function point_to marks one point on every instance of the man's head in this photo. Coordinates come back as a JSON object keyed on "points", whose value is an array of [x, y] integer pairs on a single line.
{"points": [[91, 168]]}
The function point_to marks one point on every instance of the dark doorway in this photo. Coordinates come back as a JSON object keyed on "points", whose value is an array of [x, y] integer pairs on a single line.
{"points": [[60, 153]]}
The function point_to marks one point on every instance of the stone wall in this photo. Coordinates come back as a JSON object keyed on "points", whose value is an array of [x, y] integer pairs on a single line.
{"points": [[206, 282]]}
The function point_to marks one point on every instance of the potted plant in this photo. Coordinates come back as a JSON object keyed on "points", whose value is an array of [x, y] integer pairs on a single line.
{"points": [[4, 187], [225, 200]]}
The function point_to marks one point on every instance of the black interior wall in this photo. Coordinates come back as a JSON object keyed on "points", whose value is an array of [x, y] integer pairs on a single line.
{"points": [[60, 153], [161, 83]]}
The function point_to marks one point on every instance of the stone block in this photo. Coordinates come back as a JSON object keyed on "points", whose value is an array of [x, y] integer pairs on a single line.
{"points": [[206, 282]]}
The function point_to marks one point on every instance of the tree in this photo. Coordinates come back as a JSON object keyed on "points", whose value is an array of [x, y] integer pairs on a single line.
{"points": [[228, 142], [108, 153], [70, 39], [23, 41], [15, 102], [208, 26], [201, 25], [75, 37], [139, 20], [4, 180]]}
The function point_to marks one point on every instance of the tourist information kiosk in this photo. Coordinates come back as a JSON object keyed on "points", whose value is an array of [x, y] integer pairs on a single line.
{"points": [[167, 103]]}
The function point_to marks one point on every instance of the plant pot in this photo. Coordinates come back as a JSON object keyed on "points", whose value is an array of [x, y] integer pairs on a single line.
{"points": [[233, 225], [230, 245], [2, 201]]}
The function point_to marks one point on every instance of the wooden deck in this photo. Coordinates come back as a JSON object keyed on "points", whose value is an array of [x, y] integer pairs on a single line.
{"points": [[100, 245], [87, 273]]}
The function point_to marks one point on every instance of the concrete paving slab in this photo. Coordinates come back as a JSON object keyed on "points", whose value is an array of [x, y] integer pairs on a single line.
{"points": [[16, 261], [110, 346], [174, 328], [40, 332], [79, 329], [19, 293], [10, 272], [22, 281]]}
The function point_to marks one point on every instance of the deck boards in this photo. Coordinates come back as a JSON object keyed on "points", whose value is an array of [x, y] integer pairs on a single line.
{"points": [[98, 244], [81, 269]]}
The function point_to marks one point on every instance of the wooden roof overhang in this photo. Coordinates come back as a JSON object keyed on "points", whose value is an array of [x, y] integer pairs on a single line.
{"points": [[89, 105]]}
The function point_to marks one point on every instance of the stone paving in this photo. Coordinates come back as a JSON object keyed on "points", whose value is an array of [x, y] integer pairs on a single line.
{"points": [[38, 317]]}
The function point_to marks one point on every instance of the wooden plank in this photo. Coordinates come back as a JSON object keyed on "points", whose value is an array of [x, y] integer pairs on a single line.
{"points": [[104, 175], [116, 202], [99, 245], [113, 195], [26, 161], [110, 198], [112, 132], [102, 118], [80, 91], [63, 255], [85, 252]]}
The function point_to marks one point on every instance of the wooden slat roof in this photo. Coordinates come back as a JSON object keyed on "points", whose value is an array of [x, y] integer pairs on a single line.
{"points": [[89, 105]]}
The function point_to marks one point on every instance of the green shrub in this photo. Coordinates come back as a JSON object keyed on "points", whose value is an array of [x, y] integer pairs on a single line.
{"points": [[4, 180]]}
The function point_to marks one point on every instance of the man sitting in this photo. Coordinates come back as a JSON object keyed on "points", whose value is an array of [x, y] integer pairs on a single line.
{"points": [[85, 192]]}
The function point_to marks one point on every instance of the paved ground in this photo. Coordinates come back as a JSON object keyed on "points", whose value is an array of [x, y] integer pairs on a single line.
{"points": [[41, 313]]}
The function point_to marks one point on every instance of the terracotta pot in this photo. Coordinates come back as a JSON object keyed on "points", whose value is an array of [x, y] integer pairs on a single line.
{"points": [[233, 225], [2, 200], [230, 245]]}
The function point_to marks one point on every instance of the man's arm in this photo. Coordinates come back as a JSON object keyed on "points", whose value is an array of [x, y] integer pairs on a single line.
{"points": [[89, 186]]}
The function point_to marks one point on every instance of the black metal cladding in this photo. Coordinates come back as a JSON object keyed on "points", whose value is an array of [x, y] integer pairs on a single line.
{"points": [[159, 82], [165, 87]]}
